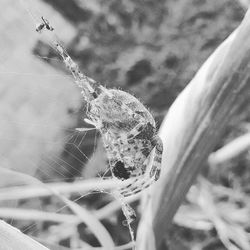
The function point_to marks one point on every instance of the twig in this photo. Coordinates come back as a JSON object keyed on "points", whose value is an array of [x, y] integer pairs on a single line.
{"points": [[230, 150], [35, 215], [78, 187]]}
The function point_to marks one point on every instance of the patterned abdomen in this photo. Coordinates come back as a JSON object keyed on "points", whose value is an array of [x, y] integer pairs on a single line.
{"points": [[127, 130]]}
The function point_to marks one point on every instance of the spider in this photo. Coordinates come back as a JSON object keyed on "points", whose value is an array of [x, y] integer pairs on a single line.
{"points": [[128, 129], [129, 135]]}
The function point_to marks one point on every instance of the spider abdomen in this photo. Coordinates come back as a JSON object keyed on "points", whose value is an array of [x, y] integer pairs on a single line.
{"points": [[127, 129]]}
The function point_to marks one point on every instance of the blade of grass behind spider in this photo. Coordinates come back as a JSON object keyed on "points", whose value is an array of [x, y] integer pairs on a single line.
{"points": [[193, 126], [16, 192], [12, 239], [231, 150], [83, 214]]}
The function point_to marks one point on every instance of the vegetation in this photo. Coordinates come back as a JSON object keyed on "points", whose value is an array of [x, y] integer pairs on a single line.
{"points": [[153, 49]]}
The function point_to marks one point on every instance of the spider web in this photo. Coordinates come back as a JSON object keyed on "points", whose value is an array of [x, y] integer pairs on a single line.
{"points": [[40, 114], [40, 110]]}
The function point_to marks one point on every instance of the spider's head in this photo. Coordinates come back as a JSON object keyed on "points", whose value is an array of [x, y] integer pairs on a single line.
{"points": [[120, 171]]}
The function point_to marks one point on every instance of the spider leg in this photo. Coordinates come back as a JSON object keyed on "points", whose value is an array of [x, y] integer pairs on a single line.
{"points": [[137, 186], [126, 208], [156, 166], [136, 130], [145, 180]]}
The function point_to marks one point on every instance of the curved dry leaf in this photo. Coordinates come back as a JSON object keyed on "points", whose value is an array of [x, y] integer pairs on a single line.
{"points": [[193, 126]]}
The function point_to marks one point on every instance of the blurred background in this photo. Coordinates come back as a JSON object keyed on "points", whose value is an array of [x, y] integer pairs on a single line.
{"points": [[149, 48]]}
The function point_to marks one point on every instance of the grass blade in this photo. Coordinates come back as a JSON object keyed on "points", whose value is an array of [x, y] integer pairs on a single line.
{"points": [[193, 126]]}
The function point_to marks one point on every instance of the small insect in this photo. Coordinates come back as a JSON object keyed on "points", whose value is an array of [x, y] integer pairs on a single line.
{"points": [[128, 129], [44, 24]]}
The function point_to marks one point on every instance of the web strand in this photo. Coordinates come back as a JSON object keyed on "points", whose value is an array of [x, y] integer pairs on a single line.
{"points": [[89, 88]]}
